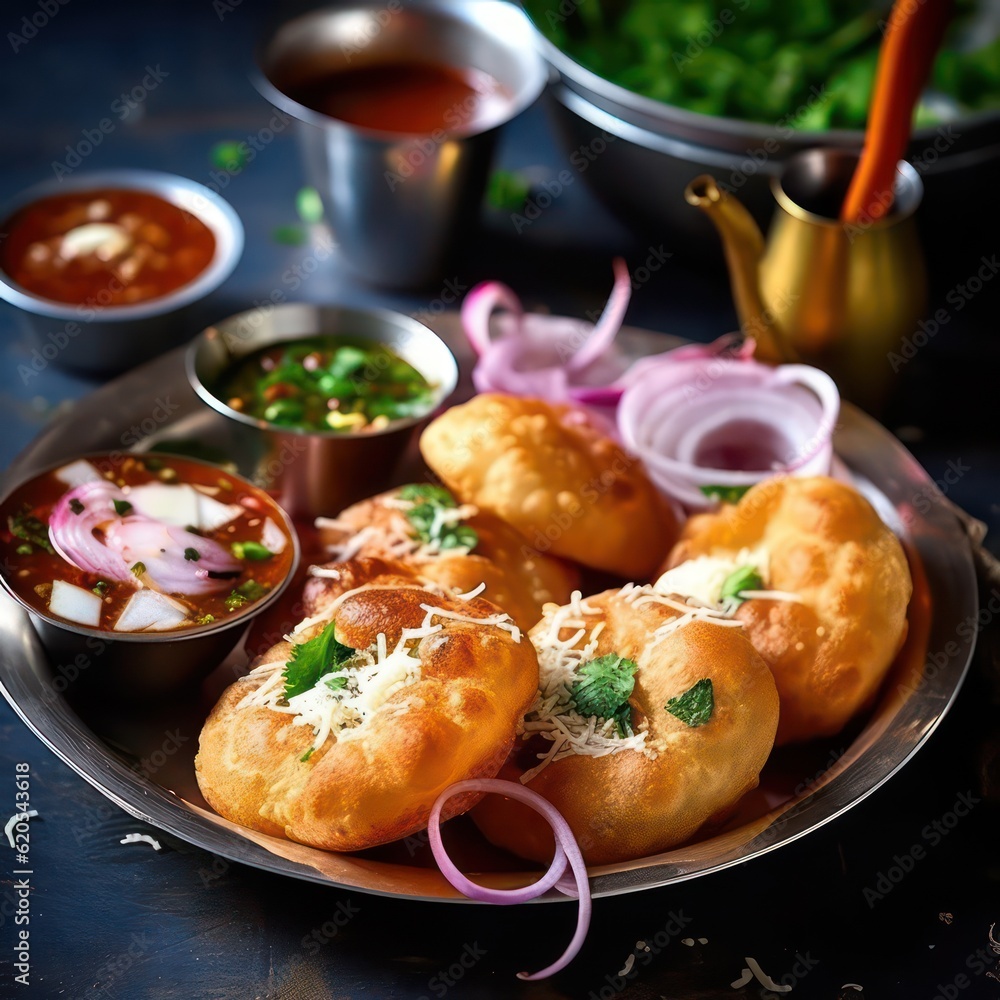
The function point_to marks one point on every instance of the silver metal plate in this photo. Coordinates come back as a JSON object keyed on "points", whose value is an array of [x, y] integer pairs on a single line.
{"points": [[142, 759]]}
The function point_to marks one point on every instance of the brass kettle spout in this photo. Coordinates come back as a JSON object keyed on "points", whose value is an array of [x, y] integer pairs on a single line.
{"points": [[743, 243]]}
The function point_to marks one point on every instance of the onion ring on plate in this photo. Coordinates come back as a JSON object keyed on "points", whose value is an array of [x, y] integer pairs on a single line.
{"points": [[567, 852]]}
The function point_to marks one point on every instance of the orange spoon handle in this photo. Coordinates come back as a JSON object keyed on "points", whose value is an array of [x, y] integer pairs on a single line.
{"points": [[913, 36]]}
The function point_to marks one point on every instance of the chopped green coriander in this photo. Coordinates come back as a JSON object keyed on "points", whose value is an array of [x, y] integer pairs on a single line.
{"points": [[602, 688], [28, 527], [310, 660], [78, 508], [139, 568], [744, 578], [724, 494], [100, 588], [249, 590], [251, 550], [427, 516], [24, 549], [290, 236], [507, 190], [230, 156], [307, 754], [191, 555], [695, 706], [205, 619], [336, 683], [122, 507]]}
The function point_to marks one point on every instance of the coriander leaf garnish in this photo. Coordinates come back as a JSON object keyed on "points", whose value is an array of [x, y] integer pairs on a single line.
{"points": [[695, 706], [251, 550], [76, 506], [29, 528], [191, 555], [307, 754], [314, 658], [24, 549], [602, 688], [724, 494], [426, 516], [138, 569], [122, 507], [744, 578], [101, 588]]}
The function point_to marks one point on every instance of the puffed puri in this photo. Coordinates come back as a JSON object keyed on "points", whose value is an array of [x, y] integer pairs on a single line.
{"points": [[555, 475], [630, 804], [379, 784]]}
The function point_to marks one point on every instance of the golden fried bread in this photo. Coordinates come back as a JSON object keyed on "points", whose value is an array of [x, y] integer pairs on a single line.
{"points": [[452, 717], [638, 801], [562, 482], [826, 546], [518, 579]]}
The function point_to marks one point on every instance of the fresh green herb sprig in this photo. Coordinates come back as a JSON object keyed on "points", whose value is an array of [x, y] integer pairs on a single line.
{"points": [[602, 688], [310, 660], [744, 578], [429, 502], [695, 706]]}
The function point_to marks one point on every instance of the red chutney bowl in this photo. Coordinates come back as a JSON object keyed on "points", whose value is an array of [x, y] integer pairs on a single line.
{"points": [[141, 572], [104, 267]]}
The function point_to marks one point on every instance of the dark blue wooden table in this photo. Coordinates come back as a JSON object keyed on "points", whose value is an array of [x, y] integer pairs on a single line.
{"points": [[896, 896]]}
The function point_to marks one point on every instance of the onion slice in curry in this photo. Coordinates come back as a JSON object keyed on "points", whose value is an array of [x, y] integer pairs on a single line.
{"points": [[88, 532]]}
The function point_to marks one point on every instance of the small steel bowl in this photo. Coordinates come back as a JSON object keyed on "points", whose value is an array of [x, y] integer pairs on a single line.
{"points": [[119, 337], [319, 473], [141, 666]]}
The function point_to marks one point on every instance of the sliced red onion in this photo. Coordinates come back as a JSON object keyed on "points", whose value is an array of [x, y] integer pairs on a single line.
{"points": [[701, 420], [161, 549], [567, 852], [552, 357], [124, 541], [72, 535]]}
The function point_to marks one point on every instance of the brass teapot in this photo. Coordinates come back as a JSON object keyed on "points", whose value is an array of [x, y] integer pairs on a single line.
{"points": [[836, 295]]}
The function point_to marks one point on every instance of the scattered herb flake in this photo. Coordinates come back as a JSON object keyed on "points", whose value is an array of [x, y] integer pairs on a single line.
{"points": [[191, 555], [695, 706], [205, 619], [122, 507], [251, 550], [28, 527], [229, 156], [724, 494], [310, 660], [77, 507], [507, 190], [309, 205], [336, 683], [139, 568], [603, 686], [744, 578], [289, 236], [307, 754], [24, 549], [100, 588]]}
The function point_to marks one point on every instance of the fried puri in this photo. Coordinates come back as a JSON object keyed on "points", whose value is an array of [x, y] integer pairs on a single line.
{"points": [[825, 545], [640, 799], [518, 579], [452, 716], [560, 480]]}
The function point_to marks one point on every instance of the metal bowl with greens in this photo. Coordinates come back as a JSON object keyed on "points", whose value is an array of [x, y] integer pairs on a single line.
{"points": [[764, 60]]}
